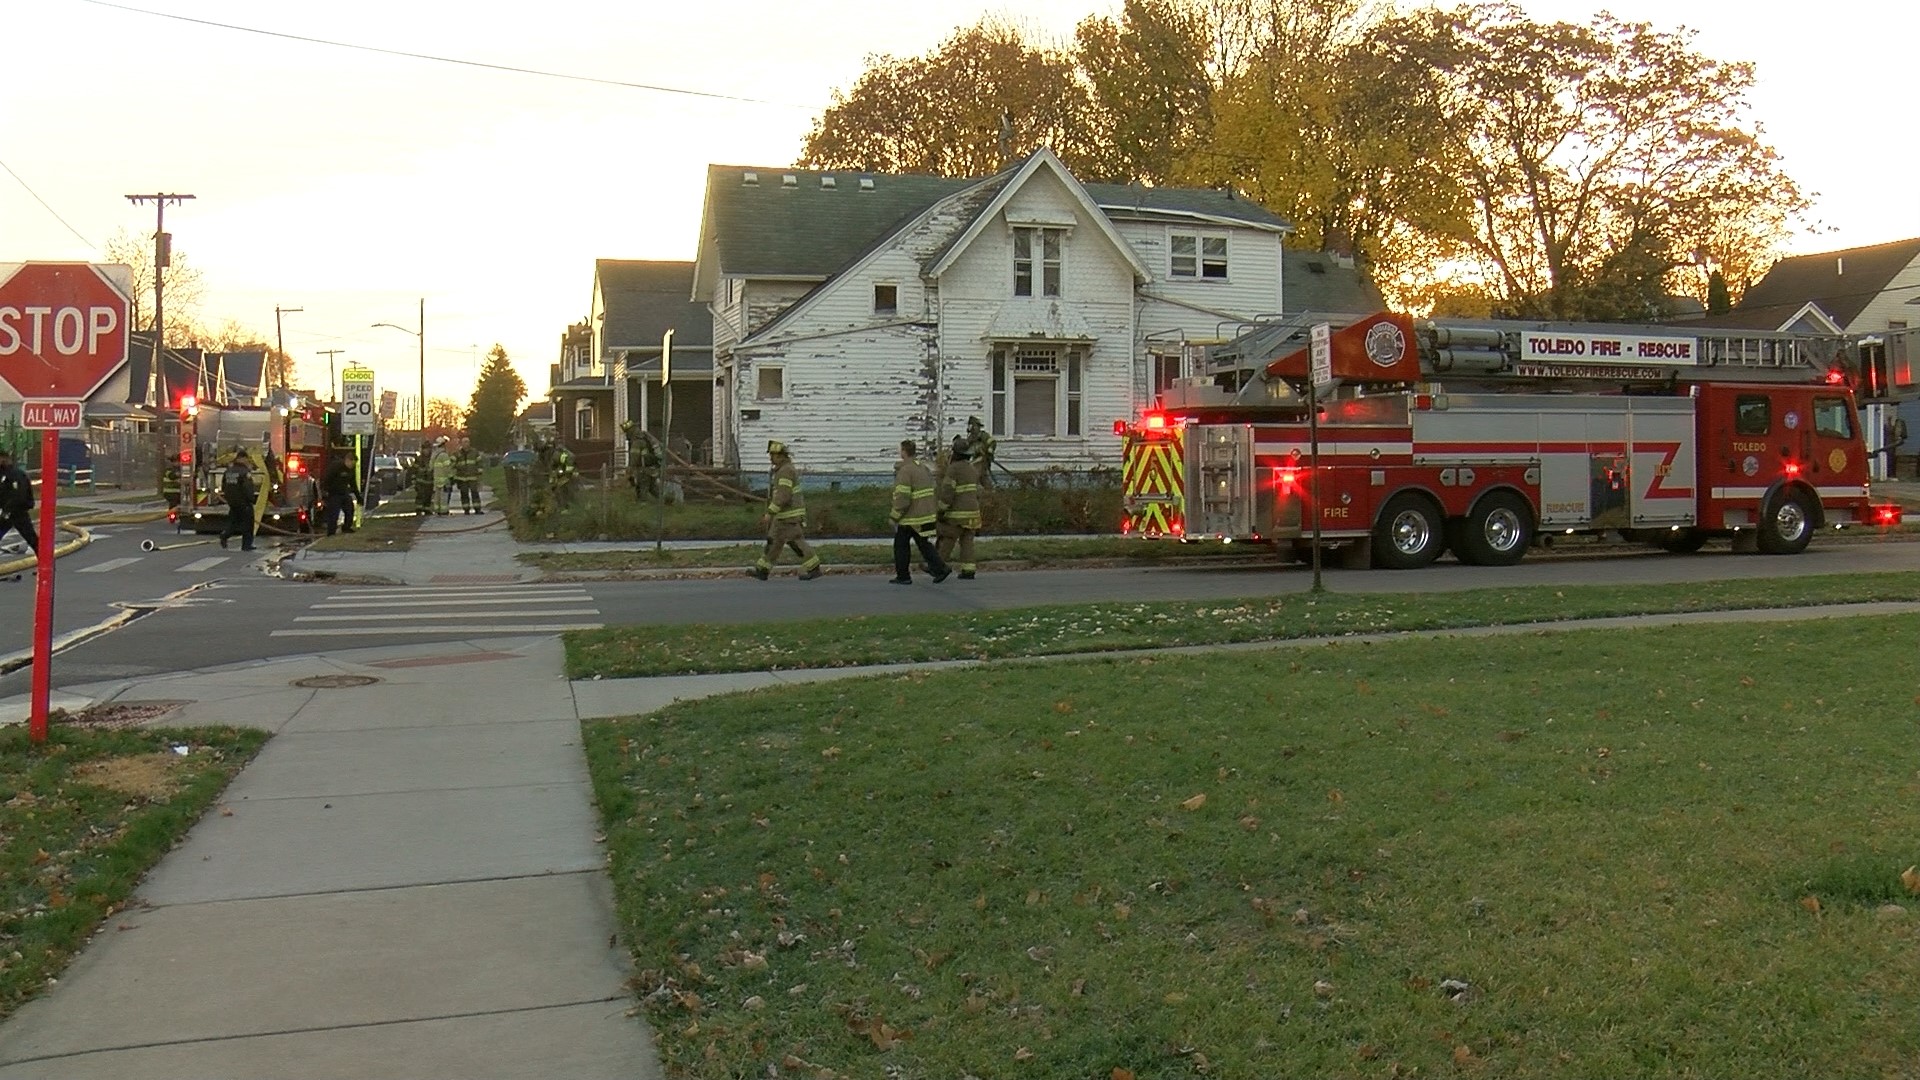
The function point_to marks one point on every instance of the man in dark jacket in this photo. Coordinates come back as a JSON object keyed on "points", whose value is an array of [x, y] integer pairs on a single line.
{"points": [[338, 489], [241, 491], [16, 501]]}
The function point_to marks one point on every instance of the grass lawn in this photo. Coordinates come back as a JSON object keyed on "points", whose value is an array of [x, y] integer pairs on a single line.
{"points": [[623, 651], [386, 529], [1603, 854], [81, 819], [1009, 552]]}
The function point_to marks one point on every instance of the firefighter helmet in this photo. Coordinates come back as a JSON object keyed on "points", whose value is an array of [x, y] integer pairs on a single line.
{"points": [[776, 448], [962, 449]]}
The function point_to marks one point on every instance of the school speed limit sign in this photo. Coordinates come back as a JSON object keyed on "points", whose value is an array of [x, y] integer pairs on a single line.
{"points": [[356, 401]]}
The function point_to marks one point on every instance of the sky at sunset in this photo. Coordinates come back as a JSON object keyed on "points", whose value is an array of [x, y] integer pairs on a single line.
{"points": [[352, 184]]}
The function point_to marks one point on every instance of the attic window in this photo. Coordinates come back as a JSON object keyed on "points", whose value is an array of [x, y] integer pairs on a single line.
{"points": [[886, 299], [750, 178], [866, 183], [789, 180], [826, 183]]}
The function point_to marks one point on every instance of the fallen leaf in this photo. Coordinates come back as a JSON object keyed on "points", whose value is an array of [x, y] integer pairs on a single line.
{"points": [[1335, 797], [1023, 1054], [1250, 823], [226, 811], [1322, 988], [1910, 877], [1462, 1055], [1195, 803], [1811, 903], [1063, 706], [1120, 1074]]}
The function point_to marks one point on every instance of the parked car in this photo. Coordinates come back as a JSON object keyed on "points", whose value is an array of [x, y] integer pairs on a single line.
{"points": [[389, 476]]}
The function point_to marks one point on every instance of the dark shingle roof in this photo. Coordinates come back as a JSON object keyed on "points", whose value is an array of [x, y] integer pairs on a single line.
{"points": [[1313, 281], [644, 299], [1183, 202], [770, 229], [1842, 282]]}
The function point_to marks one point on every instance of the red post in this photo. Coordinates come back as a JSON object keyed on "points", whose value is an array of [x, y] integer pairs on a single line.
{"points": [[43, 592]]}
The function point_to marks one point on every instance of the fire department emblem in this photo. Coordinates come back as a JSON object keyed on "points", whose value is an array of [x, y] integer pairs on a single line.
{"points": [[1793, 421], [1385, 344], [1837, 459], [1751, 466]]}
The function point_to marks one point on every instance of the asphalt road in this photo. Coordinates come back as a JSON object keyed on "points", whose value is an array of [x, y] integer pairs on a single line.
{"points": [[230, 612]]}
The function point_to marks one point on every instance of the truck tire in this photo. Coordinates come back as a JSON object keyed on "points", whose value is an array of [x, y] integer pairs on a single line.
{"points": [[1684, 542], [1407, 535], [1497, 531], [1787, 527]]}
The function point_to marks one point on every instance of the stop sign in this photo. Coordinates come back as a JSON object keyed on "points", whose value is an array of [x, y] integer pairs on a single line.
{"points": [[63, 327]]}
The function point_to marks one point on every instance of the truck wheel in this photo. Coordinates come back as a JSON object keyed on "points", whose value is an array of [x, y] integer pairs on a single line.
{"points": [[1407, 535], [1497, 531], [1684, 542], [1787, 527]]}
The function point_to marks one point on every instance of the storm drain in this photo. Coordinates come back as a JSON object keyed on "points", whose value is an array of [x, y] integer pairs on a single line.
{"points": [[334, 682]]}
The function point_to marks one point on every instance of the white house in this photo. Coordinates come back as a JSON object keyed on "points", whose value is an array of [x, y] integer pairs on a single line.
{"points": [[852, 310]]}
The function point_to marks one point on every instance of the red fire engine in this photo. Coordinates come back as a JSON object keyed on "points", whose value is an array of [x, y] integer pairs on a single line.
{"points": [[1487, 437]]}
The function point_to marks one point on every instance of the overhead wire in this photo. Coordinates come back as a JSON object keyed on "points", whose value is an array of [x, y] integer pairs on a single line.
{"points": [[410, 55], [48, 207]]}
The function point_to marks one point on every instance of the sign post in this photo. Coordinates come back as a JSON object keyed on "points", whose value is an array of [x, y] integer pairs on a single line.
{"points": [[357, 423], [63, 334], [1322, 374]]}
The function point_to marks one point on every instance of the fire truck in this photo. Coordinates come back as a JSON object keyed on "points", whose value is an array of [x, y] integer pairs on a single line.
{"points": [[1487, 437], [288, 449]]}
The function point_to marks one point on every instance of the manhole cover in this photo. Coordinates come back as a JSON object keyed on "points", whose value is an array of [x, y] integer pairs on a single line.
{"points": [[334, 682]]}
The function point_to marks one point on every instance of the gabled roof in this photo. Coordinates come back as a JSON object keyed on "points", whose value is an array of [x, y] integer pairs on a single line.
{"points": [[756, 224], [1318, 281], [1221, 206], [243, 372], [643, 299], [1039, 160], [1842, 283]]}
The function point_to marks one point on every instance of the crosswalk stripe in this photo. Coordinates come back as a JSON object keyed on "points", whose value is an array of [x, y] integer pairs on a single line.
{"points": [[199, 565], [415, 615], [110, 564], [488, 628], [339, 605], [468, 590]]}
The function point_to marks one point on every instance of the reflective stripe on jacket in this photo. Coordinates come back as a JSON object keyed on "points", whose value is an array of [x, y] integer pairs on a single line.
{"points": [[784, 501], [913, 502], [960, 495]]}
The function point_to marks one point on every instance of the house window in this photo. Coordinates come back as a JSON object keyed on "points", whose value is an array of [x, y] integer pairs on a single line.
{"points": [[1200, 256], [886, 299], [1036, 251], [583, 420], [772, 383], [1037, 391], [1752, 415]]}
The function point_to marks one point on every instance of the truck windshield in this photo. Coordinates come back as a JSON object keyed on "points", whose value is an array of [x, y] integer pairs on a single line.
{"points": [[1832, 417]]}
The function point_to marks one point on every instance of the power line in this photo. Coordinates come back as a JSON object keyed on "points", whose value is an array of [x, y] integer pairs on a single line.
{"points": [[450, 59], [48, 207]]}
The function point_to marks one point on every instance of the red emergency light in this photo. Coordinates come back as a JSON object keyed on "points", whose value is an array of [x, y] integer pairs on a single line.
{"points": [[1836, 376], [1286, 478], [1792, 469], [187, 402], [1156, 421], [1890, 514], [295, 465], [1119, 427]]}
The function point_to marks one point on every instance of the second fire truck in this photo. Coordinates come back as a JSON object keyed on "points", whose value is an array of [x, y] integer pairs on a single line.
{"points": [[1486, 438]]}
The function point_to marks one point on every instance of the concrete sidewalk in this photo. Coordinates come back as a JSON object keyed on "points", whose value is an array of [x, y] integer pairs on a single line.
{"points": [[409, 885], [458, 549]]}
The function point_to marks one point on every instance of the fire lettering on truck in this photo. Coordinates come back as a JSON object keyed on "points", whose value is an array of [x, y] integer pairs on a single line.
{"points": [[1335, 512]]}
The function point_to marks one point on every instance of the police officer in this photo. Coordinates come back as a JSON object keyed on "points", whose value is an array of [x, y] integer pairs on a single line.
{"points": [[959, 499], [338, 488], [466, 476], [915, 512], [241, 491], [16, 501], [981, 447], [786, 517]]}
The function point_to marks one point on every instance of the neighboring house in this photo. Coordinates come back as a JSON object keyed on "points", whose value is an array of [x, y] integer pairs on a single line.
{"points": [[635, 303], [534, 421], [581, 392], [852, 310]]}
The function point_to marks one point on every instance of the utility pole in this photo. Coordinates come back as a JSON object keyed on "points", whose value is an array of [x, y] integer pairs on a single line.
{"points": [[330, 354], [280, 345], [162, 258]]}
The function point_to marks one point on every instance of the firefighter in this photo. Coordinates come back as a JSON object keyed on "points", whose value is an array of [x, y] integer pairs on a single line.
{"points": [[241, 491], [959, 499], [981, 448], [442, 476], [170, 485], [561, 473], [466, 476], [643, 462], [786, 517], [915, 513], [337, 490], [16, 501], [423, 480]]}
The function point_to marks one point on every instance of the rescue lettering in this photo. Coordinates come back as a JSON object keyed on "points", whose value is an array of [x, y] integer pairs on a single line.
{"points": [[1665, 350]]}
